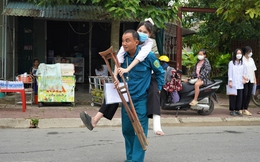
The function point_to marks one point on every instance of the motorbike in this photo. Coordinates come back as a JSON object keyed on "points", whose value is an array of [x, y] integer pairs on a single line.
{"points": [[256, 96], [205, 104]]}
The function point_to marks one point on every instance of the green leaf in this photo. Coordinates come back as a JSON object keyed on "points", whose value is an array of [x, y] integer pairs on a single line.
{"points": [[251, 14], [112, 9]]}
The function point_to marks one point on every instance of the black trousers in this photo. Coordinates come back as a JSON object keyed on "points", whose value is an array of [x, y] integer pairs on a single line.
{"points": [[247, 93], [153, 100], [108, 110], [153, 103], [235, 102]]}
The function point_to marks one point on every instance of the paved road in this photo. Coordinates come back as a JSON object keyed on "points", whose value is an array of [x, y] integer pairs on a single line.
{"points": [[185, 144]]}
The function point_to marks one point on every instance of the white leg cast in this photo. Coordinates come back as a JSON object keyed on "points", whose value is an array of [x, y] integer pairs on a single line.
{"points": [[157, 125]]}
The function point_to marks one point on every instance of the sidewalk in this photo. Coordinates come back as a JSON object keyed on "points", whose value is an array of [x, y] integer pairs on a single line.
{"points": [[56, 116]]}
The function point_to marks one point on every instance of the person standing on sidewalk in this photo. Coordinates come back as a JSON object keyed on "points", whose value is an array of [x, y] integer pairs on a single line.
{"points": [[236, 79], [248, 87], [33, 71]]}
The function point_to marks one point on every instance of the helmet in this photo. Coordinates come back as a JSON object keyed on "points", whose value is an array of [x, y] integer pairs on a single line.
{"points": [[164, 58]]}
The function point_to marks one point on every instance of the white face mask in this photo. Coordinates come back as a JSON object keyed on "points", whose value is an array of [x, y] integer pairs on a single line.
{"points": [[200, 57], [239, 56], [250, 54]]}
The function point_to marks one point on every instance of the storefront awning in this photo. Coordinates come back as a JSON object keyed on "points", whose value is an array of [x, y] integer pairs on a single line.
{"points": [[186, 32], [74, 12], [170, 30], [71, 12]]}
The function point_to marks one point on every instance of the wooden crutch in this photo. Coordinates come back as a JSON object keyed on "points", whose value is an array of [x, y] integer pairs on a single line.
{"points": [[106, 55]]}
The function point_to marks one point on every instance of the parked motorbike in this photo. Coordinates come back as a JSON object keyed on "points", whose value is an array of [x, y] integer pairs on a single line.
{"points": [[256, 96], [205, 104]]}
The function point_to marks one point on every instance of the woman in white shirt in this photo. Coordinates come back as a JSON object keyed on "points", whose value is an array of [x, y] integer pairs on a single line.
{"points": [[251, 68], [236, 79]]}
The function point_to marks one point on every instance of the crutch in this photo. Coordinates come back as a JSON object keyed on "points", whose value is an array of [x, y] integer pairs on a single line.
{"points": [[106, 55]]}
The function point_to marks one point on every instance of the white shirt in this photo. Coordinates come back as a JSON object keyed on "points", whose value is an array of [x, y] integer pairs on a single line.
{"points": [[146, 48], [251, 68], [236, 73], [103, 72]]}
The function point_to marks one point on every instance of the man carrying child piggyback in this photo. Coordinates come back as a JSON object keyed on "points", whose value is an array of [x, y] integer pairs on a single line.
{"points": [[138, 83]]}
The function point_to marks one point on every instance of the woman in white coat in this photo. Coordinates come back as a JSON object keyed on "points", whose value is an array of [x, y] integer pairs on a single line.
{"points": [[236, 79], [251, 68]]}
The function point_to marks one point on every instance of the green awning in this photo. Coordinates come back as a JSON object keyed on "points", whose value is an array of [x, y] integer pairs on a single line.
{"points": [[71, 12]]}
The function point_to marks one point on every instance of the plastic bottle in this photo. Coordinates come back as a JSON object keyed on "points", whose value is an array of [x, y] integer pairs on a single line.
{"points": [[15, 84]]}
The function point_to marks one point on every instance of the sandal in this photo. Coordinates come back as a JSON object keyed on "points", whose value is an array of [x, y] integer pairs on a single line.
{"points": [[193, 103], [86, 119]]}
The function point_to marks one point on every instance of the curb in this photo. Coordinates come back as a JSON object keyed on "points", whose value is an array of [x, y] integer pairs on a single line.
{"points": [[116, 122], [14, 123], [201, 120]]}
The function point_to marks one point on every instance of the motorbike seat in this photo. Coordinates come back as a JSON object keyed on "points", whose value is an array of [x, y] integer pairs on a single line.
{"points": [[186, 87]]}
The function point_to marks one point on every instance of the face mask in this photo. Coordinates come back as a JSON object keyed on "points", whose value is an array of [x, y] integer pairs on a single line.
{"points": [[142, 36], [200, 57], [250, 54], [164, 65], [239, 56]]}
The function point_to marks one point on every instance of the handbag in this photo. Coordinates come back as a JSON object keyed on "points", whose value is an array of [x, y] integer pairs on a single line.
{"points": [[175, 97]]}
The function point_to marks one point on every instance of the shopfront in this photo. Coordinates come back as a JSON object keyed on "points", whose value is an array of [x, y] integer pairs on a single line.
{"points": [[62, 31]]}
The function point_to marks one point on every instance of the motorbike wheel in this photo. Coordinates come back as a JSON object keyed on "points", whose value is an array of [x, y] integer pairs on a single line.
{"points": [[209, 111], [256, 97]]}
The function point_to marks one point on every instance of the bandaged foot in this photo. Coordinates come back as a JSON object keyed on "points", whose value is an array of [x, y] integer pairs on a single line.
{"points": [[157, 125]]}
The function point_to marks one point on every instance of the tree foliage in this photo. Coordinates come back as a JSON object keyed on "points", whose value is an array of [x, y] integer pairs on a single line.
{"points": [[216, 31], [159, 11], [234, 19], [235, 10]]}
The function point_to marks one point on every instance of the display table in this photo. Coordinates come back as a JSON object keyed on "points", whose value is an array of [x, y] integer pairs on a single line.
{"points": [[22, 92]]}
